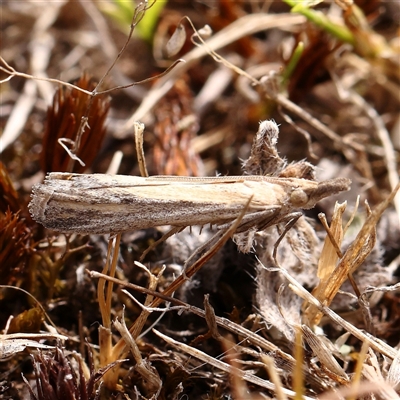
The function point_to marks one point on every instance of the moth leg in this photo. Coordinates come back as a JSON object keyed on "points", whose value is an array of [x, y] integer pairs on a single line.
{"points": [[255, 219], [252, 223], [260, 222], [200, 249], [164, 237], [292, 219]]}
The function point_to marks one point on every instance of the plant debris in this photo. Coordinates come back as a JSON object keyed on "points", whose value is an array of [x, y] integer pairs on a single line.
{"points": [[310, 310]]}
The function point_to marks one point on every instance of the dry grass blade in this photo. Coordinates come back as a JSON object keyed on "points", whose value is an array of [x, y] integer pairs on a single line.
{"points": [[149, 374], [355, 255], [375, 343], [272, 370], [281, 358], [137, 328], [224, 366], [242, 27], [329, 257], [393, 377], [328, 77], [11, 344], [324, 354], [111, 353]]}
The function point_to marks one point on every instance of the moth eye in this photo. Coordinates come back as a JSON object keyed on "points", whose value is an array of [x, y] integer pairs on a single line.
{"points": [[299, 198]]}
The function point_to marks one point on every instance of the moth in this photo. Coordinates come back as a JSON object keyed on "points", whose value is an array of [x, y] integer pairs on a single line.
{"points": [[108, 204]]}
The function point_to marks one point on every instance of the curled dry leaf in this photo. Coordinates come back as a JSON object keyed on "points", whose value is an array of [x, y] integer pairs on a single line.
{"points": [[9, 347], [176, 42]]}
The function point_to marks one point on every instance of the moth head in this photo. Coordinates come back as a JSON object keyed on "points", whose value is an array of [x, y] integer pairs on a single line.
{"points": [[307, 196]]}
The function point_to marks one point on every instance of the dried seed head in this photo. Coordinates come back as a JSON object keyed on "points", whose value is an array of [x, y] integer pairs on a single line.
{"points": [[8, 195], [264, 158], [63, 122]]}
